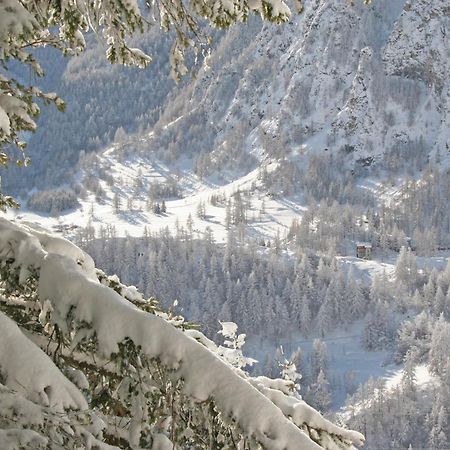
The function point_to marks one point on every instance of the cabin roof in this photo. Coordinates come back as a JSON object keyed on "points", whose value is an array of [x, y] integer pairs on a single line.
{"points": [[364, 244]]}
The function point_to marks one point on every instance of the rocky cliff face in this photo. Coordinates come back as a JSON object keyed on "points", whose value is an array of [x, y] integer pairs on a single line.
{"points": [[369, 84], [419, 49]]}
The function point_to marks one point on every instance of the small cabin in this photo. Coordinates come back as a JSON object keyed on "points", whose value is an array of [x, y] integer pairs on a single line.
{"points": [[363, 250]]}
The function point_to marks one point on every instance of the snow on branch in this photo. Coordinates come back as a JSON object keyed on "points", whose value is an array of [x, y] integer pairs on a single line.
{"points": [[66, 278], [29, 370]]}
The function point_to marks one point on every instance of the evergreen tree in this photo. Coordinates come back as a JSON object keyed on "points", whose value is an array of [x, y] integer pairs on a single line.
{"points": [[321, 393], [440, 348], [116, 203], [305, 317], [356, 300], [438, 420], [439, 302], [319, 358], [406, 269], [156, 209]]}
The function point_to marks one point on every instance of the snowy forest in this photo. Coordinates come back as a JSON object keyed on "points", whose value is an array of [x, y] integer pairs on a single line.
{"points": [[273, 295], [225, 225]]}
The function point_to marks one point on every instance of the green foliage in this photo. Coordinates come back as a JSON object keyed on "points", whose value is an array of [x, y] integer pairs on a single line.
{"points": [[128, 391], [7, 201]]}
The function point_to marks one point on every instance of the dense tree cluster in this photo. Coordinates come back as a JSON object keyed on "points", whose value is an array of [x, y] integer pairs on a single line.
{"points": [[409, 414], [264, 293], [272, 295], [416, 217], [55, 201]]}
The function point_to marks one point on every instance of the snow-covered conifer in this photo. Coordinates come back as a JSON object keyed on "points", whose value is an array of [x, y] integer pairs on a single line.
{"points": [[440, 348], [320, 392], [356, 300]]}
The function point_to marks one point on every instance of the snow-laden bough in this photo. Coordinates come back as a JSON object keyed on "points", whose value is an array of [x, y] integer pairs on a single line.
{"points": [[67, 279]]}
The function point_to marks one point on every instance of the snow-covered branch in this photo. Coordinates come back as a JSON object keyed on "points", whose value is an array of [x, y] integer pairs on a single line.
{"points": [[148, 351]]}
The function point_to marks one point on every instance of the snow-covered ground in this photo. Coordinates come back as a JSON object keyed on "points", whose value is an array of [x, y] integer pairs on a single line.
{"points": [[267, 216], [349, 363], [422, 374], [277, 217]]}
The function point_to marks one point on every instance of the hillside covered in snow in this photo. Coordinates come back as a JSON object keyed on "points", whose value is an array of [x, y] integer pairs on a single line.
{"points": [[365, 85], [242, 195], [340, 104]]}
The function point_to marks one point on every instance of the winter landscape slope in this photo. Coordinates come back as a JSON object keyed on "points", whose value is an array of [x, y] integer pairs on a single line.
{"points": [[366, 83], [332, 79], [296, 142], [359, 91], [337, 83]]}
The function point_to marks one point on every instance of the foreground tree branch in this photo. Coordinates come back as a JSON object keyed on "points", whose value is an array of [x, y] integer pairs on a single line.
{"points": [[165, 386]]}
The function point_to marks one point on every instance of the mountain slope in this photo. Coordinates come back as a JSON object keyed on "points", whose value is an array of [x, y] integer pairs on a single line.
{"points": [[334, 78]]}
